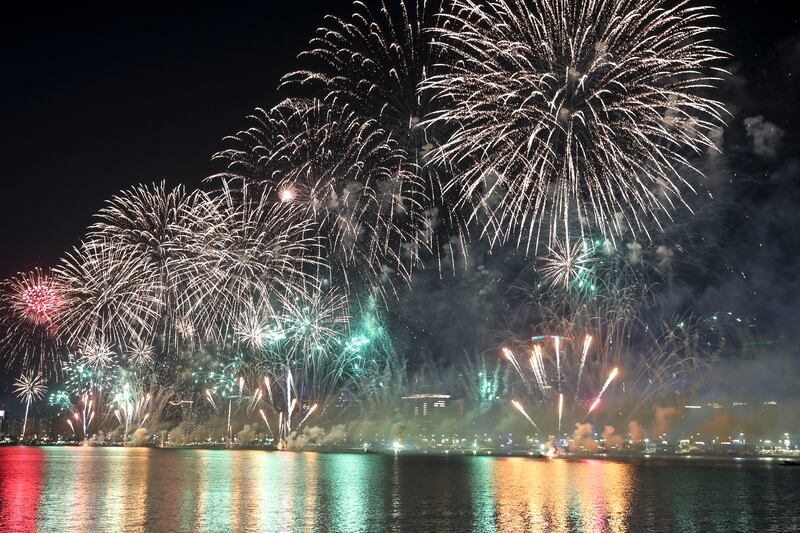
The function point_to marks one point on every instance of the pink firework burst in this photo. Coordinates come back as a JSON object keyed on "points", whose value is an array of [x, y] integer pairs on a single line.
{"points": [[34, 296], [39, 299]]}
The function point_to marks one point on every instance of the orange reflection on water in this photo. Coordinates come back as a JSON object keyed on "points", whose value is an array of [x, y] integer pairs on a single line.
{"points": [[559, 495]]}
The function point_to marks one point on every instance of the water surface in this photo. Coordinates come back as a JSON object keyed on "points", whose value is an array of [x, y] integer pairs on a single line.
{"points": [[141, 489]]}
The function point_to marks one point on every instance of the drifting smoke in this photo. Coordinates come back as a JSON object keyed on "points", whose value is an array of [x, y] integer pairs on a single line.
{"points": [[766, 136], [582, 438], [663, 419], [315, 436], [637, 432], [177, 436], [248, 434], [612, 439], [139, 437]]}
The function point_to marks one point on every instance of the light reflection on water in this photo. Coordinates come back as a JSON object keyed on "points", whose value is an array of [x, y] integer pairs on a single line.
{"points": [[140, 489]]}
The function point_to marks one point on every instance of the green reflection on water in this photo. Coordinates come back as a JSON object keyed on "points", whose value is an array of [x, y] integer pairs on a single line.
{"points": [[353, 486], [481, 479]]}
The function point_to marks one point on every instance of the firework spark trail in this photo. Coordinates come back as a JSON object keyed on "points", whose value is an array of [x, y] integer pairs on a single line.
{"points": [[83, 418], [292, 407], [542, 338], [311, 410], [269, 390], [211, 399], [524, 413], [373, 64], [348, 179], [510, 356], [230, 428], [586, 345], [596, 402], [256, 397], [594, 405], [566, 263], [558, 362], [264, 417], [539, 372], [569, 112], [611, 378], [109, 295], [289, 401], [560, 410]]}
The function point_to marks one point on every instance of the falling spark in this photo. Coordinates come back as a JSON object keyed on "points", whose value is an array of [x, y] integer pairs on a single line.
{"points": [[510, 356], [211, 399], [264, 417], [595, 403], [611, 377], [558, 362], [524, 413], [269, 389], [586, 344], [313, 408]]}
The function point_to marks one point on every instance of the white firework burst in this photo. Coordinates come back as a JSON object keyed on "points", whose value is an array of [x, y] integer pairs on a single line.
{"points": [[140, 354], [256, 326], [107, 292], [347, 178], [29, 387], [96, 353], [566, 263], [567, 112]]}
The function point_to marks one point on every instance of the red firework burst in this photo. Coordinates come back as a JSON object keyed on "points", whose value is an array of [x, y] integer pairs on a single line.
{"points": [[36, 297], [40, 301]]}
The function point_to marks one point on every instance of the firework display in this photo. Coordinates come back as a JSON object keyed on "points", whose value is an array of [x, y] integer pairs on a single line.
{"points": [[562, 127]]}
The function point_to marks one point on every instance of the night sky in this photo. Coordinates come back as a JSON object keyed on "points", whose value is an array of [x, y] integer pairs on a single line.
{"points": [[96, 101]]}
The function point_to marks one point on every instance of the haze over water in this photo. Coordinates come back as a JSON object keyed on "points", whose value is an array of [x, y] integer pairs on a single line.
{"points": [[140, 489]]}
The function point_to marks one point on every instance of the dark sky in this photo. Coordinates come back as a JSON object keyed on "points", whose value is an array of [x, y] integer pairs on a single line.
{"points": [[94, 101], [97, 100]]}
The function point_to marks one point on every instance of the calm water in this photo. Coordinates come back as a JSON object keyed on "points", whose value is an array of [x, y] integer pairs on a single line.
{"points": [[94, 489]]}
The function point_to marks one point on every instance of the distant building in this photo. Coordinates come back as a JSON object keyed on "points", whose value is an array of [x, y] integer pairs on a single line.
{"points": [[423, 405], [428, 409], [37, 427]]}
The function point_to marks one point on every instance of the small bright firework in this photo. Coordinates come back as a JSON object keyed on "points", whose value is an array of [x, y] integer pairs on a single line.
{"points": [[566, 263], [141, 354], [29, 387], [97, 353]]}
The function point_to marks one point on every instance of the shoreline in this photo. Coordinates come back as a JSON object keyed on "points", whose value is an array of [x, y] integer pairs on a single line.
{"points": [[612, 457]]}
